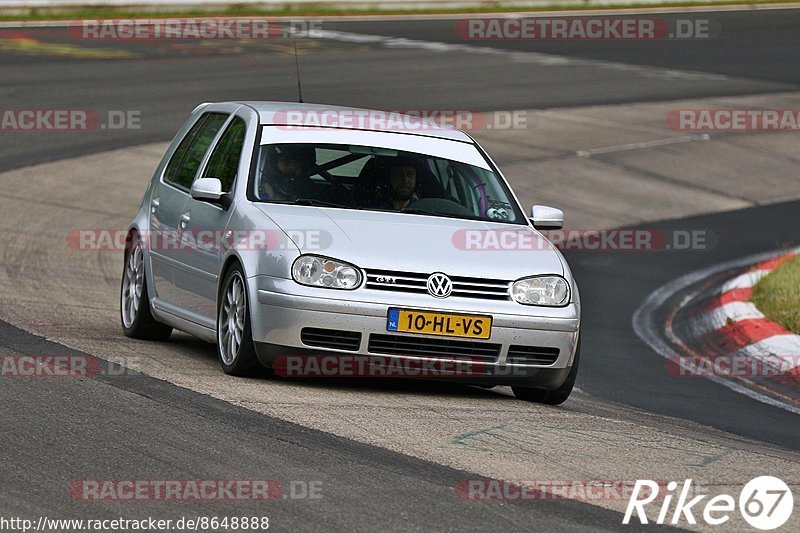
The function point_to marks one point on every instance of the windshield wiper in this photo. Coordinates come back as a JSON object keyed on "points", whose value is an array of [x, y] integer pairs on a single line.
{"points": [[319, 203], [415, 211]]}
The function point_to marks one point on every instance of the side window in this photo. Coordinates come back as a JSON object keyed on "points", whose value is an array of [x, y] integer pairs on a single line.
{"points": [[224, 161], [184, 163]]}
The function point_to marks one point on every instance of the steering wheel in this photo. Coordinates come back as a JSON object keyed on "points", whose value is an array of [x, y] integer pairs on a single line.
{"points": [[335, 182]]}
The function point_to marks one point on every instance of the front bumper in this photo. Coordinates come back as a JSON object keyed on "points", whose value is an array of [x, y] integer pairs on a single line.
{"points": [[282, 308]]}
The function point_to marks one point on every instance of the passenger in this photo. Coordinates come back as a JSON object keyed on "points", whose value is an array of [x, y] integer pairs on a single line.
{"points": [[285, 174]]}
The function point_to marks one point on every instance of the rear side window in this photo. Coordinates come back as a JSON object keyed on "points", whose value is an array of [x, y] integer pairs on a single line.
{"points": [[224, 162], [186, 160]]}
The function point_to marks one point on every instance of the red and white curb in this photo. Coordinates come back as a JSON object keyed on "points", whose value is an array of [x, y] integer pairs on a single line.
{"points": [[729, 323], [737, 326], [731, 314]]}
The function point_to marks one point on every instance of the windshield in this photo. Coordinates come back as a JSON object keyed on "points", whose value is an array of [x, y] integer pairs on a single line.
{"points": [[372, 178]]}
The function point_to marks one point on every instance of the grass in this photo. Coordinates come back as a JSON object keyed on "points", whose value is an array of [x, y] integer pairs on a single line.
{"points": [[778, 295], [243, 10]]}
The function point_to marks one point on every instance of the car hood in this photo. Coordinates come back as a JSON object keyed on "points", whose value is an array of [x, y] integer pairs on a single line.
{"points": [[417, 243]]}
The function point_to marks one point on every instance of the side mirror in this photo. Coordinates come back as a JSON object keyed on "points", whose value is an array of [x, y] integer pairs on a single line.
{"points": [[207, 189], [545, 217]]}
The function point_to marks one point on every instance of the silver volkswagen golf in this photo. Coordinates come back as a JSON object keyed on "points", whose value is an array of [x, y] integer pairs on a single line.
{"points": [[280, 230]]}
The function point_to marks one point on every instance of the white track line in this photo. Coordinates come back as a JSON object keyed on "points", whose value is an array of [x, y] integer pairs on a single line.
{"points": [[643, 145], [517, 56]]}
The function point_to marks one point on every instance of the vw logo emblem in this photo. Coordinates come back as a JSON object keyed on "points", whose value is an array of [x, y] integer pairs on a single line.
{"points": [[439, 285]]}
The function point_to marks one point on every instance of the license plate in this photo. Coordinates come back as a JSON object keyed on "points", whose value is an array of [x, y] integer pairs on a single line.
{"points": [[433, 323]]}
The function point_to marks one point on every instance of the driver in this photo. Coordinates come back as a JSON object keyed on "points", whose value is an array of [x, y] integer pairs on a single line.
{"points": [[401, 189], [286, 172]]}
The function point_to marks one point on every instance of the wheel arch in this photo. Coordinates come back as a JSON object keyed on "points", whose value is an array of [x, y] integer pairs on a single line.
{"points": [[134, 229], [232, 259]]}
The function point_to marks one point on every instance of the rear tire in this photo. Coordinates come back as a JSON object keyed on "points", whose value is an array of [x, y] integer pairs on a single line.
{"points": [[556, 396], [134, 310], [235, 348]]}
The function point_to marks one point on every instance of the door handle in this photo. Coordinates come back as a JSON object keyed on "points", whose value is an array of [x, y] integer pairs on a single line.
{"points": [[185, 218], [154, 203]]}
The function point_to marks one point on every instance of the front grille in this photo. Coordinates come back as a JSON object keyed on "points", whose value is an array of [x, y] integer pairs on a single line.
{"points": [[414, 282], [532, 355], [434, 348], [331, 338]]}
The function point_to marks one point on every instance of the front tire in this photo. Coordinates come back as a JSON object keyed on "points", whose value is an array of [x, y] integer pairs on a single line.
{"points": [[556, 396], [137, 319], [235, 348]]}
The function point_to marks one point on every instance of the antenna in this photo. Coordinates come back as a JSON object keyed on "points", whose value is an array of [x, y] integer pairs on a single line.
{"points": [[297, 67]]}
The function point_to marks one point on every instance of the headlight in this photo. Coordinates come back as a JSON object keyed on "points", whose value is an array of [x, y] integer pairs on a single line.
{"points": [[551, 291], [319, 271]]}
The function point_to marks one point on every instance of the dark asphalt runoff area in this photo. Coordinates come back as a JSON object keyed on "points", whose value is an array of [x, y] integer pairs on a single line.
{"points": [[57, 431]]}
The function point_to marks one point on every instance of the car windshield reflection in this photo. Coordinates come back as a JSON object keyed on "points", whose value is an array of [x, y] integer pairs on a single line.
{"points": [[370, 178]]}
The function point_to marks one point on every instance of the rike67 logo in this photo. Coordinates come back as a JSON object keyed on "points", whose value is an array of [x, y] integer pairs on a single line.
{"points": [[765, 503]]}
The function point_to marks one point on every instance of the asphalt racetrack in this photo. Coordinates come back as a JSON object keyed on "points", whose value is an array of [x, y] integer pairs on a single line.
{"points": [[595, 142]]}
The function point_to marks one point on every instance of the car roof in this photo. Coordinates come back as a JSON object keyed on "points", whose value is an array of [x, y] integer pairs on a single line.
{"points": [[287, 113]]}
